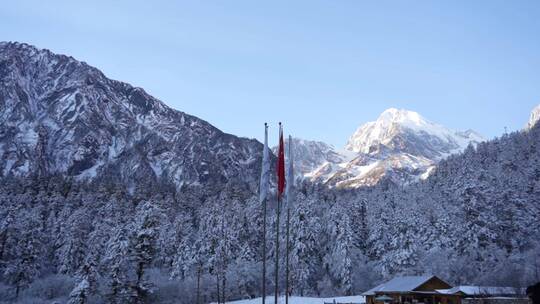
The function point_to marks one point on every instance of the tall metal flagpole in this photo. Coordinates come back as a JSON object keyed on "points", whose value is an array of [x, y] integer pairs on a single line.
{"points": [[280, 184], [264, 254], [287, 259], [276, 289], [263, 189], [290, 181]]}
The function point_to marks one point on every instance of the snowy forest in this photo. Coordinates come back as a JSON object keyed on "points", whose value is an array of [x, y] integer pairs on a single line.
{"points": [[473, 221]]}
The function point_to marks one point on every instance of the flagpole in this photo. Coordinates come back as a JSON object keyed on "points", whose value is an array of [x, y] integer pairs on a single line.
{"points": [[287, 258], [276, 290], [264, 220], [264, 255], [280, 184], [289, 186]]}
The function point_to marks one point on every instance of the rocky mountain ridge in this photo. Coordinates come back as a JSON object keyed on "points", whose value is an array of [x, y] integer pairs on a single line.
{"points": [[62, 116]]}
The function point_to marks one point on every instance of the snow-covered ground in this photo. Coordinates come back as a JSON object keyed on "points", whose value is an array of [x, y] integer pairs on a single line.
{"points": [[305, 300]]}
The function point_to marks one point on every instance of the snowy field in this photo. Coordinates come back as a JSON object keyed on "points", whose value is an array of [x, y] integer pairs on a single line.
{"points": [[304, 300]]}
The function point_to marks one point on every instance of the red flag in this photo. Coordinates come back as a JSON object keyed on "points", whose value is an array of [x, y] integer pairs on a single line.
{"points": [[281, 164]]}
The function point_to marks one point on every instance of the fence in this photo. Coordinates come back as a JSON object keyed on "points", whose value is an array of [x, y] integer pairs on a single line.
{"points": [[501, 300]]}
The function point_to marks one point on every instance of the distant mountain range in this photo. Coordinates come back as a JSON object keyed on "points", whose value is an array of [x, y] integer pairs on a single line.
{"points": [[400, 145]]}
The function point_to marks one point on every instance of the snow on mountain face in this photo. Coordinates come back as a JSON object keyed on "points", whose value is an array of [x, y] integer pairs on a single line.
{"points": [[400, 145], [407, 131], [535, 117], [62, 116], [309, 155]]}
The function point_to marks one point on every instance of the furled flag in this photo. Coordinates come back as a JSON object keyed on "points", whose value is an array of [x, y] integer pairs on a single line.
{"points": [[265, 168], [281, 164], [290, 173]]}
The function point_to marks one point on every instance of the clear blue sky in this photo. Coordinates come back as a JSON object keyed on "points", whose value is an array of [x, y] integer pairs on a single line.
{"points": [[321, 67]]}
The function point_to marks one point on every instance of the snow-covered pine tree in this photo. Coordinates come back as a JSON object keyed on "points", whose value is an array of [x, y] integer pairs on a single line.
{"points": [[121, 278], [339, 259], [148, 217], [72, 242], [25, 261], [305, 247], [80, 294]]}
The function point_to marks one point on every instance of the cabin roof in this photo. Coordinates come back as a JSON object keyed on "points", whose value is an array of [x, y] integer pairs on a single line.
{"points": [[400, 284]]}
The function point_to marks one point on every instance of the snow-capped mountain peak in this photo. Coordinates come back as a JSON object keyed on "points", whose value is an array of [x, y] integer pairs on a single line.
{"points": [[535, 117], [379, 131], [393, 125], [400, 145], [402, 116]]}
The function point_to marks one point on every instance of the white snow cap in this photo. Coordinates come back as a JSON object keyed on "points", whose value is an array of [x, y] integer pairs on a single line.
{"points": [[392, 120], [535, 117], [375, 132]]}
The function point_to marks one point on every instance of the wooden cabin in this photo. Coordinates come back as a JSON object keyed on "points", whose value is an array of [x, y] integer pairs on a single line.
{"points": [[412, 290]]}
